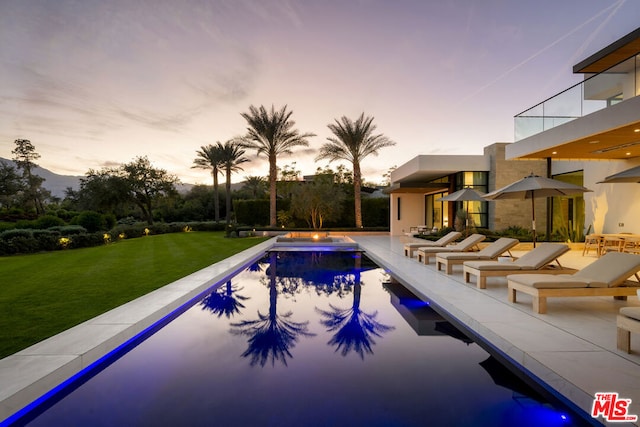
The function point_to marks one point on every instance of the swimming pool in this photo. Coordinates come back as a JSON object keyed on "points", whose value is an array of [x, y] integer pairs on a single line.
{"points": [[305, 338]]}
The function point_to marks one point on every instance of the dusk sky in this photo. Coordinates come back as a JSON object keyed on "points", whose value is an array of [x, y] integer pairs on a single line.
{"points": [[96, 83]]}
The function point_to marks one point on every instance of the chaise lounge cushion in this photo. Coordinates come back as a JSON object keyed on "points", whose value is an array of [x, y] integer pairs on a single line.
{"points": [[532, 260], [464, 245], [544, 281], [631, 312], [492, 251], [609, 271]]}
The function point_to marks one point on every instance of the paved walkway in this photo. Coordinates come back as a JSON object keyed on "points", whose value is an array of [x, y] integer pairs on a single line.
{"points": [[572, 348]]}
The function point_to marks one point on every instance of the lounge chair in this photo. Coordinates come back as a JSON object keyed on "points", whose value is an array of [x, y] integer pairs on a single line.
{"points": [[491, 252], [538, 260], [410, 248], [467, 244], [606, 276], [628, 321]]}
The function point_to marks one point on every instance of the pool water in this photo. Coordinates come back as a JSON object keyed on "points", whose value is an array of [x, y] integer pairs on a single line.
{"points": [[306, 339]]}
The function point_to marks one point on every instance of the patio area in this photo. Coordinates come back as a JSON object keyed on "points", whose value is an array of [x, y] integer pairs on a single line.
{"points": [[572, 347]]}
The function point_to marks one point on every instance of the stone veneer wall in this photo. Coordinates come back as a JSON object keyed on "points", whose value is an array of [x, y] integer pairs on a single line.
{"points": [[512, 212]]}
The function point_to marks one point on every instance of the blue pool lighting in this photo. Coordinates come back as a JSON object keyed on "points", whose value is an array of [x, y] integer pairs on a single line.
{"points": [[300, 338]]}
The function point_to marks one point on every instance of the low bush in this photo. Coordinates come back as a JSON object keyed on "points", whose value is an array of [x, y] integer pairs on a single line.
{"points": [[69, 230], [48, 221], [86, 240], [16, 232], [91, 221]]}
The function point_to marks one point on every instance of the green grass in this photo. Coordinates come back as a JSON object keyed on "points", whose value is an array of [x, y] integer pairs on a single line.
{"points": [[44, 294]]}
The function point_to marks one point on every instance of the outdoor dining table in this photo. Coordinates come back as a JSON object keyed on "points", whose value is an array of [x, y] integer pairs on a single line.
{"points": [[617, 242]]}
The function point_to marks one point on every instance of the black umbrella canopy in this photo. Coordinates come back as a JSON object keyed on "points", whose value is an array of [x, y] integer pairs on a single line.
{"points": [[465, 195], [533, 186], [629, 175]]}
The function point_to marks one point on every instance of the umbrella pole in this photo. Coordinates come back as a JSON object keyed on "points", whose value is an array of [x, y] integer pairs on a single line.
{"points": [[533, 222], [466, 221]]}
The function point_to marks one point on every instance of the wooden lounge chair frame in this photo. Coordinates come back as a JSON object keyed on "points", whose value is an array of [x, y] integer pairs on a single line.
{"points": [[626, 325], [466, 245], [410, 248], [540, 296], [597, 280], [548, 268]]}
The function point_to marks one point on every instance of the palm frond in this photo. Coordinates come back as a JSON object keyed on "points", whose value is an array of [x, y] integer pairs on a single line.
{"points": [[353, 141]]}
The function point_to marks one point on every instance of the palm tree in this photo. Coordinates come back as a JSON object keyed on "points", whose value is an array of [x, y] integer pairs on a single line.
{"points": [[271, 133], [231, 157], [354, 329], [353, 142], [273, 335], [224, 301], [209, 157], [255, 185]]}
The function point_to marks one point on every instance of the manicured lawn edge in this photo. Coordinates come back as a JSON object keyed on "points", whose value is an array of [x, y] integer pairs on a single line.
{"points": [[44, 294]]}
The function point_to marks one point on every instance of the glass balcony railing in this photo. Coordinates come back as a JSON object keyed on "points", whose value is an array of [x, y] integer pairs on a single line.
{"points": [[594, 93]]}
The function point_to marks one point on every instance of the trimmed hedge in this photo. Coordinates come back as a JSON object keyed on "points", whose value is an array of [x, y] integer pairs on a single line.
{"points": [[26, 241], [375, 212]]}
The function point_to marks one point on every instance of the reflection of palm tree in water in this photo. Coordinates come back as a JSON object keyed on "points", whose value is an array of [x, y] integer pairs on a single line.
{"points": [[354, 328], [271, 336], [224, 301]]}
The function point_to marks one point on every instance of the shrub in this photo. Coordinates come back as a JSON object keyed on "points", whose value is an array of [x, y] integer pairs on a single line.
{"points": [[91, 221], [25, 224], [47, 239], [6, 226], [16, 232], [69, 230], [86, 240], [207, 226], [23, 245], [129, 231], [48, 221]]}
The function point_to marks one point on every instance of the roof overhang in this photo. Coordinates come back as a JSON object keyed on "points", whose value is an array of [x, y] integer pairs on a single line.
{"points": [[607, 134], [615, 53], [425, 168], [417, 188]]}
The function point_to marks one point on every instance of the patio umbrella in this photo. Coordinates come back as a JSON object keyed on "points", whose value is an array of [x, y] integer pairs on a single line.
{"points": [[630, 175], [533, 186], [465, 195]]}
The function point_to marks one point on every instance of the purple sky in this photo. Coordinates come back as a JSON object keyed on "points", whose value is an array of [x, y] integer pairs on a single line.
{"points": [[94, 83]]}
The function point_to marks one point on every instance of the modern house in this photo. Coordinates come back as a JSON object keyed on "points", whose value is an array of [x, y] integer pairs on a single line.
{"points": [[580, 135], [590, 131]]}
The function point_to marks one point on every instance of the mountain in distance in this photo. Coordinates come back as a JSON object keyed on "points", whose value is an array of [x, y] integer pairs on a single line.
{"points": [[58, 184]]}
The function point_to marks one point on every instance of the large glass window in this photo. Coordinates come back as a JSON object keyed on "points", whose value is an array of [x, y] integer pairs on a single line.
{"points": [[568, 211], [478, 211], [436, 212]]}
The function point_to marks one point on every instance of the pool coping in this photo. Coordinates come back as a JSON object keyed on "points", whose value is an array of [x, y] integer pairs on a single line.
{"points": [[28, 374]]}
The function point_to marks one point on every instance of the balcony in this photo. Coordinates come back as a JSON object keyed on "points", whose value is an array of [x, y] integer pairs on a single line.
{"points": [[595, 92]]}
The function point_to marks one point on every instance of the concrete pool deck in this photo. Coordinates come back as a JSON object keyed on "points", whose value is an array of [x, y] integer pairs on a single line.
{"points": [[572, 348]]}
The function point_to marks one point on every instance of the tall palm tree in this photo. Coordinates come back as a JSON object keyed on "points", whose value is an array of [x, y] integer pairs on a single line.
{"points": [[273, 335], [209, 157], [353, 142], [231, 157], [354, 329], [271, 133], [256, 185]]}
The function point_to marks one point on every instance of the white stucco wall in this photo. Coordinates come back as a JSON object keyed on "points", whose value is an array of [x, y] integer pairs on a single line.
{"points": [[411, 212], [611, 208]]}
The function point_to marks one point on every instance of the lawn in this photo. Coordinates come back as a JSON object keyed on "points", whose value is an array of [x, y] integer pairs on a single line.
{"points": [[44, 294]]}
